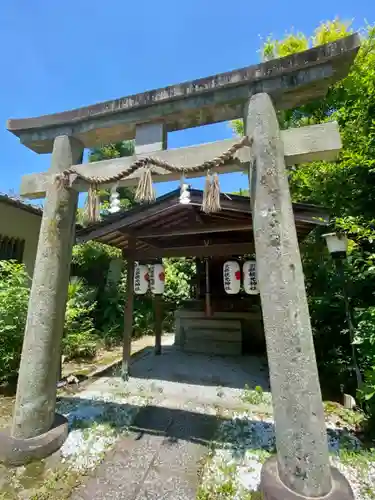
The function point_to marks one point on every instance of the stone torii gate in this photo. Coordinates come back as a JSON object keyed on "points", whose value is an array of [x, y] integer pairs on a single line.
{"points": [[301, 468]]}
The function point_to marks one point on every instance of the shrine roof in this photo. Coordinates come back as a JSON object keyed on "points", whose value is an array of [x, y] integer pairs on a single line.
{"points": [[14, 201], [168, 228], [291, 81]]}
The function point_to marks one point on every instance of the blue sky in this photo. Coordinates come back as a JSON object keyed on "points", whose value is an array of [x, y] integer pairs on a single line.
{"points": [[58, 55]]}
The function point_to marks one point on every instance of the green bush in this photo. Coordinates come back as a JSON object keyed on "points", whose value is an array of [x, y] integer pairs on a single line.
{"points": [[143, 317], [79, 339], [110, 310], [91, 261], [365, 343], [178, 273], [79, 345], [14, 296], [346, 189]]}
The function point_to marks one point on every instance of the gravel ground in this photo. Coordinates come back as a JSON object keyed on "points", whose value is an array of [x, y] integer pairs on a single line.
{"points": [[100, 415], [95, 425], [212, 386], [246, 440]]}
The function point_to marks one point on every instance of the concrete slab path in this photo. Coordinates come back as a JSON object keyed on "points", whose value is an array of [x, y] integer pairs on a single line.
{"points": [[158, 460], [163, 454]]}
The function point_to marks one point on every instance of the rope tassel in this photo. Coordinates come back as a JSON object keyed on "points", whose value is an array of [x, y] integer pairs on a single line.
{"points": [[145, 190], [211, 194], [93, 204], [215, 194]]}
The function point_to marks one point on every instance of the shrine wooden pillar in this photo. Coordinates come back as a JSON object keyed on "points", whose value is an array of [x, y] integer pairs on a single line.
{"points": [[198, 272], [157, 302], [158, 316], [128, 310], [208, 302]]}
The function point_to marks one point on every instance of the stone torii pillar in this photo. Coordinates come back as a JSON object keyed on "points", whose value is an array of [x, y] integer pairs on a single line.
{"points": [[301, 468], [37, 431]]}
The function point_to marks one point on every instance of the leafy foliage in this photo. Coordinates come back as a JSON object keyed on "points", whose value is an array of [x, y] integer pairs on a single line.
{"points": [[91, 261], [346, 189], [126, 194], [14, 296], [114, 150], [79, 340], [178, 276], [178, 273], [110, 151], [79, 335], [291, 44], [330, 31]]}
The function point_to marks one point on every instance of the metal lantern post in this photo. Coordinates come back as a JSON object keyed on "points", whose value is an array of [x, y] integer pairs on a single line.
{"points": [[337, 244]]}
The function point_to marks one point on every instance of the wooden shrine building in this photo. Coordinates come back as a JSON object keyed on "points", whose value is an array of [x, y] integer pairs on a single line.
{"points": [[211, 321]]}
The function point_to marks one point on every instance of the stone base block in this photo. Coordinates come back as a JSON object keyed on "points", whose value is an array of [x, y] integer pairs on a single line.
{"points": [[18, 451], [273, 489]]}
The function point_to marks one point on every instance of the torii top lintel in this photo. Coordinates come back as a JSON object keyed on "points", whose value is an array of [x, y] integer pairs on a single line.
{"points": [[291, 81]]}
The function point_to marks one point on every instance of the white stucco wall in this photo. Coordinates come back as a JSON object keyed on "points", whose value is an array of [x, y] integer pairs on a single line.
{"points": [[18, 223]]}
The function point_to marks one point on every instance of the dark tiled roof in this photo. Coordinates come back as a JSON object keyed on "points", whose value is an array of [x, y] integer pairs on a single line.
{"points": [[15, 202], [166, 216]]}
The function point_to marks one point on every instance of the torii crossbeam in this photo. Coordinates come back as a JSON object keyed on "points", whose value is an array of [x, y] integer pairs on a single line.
{"points": [[301, 468]]}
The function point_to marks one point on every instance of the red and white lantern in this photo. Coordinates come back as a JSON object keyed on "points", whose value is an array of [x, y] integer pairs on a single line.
{"points": [[250, 281], [141, 279], [232, 277], [157, 279]]}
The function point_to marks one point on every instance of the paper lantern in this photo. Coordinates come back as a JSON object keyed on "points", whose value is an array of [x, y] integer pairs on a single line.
{"points": [[250, 282], [232, 277], [141, 279], [157, 279]]}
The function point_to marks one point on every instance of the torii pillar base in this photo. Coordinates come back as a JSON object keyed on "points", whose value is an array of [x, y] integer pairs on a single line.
{"points": [[19, 451], [272, 488]]}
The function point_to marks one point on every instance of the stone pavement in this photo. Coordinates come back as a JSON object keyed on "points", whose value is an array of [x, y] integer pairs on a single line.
{"points": [[160, 459], [162, 456], [188, 378]]}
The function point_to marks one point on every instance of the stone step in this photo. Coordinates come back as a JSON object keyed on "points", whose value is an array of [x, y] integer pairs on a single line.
{"points": [[213, 335], [210, 323], [213, 347]]}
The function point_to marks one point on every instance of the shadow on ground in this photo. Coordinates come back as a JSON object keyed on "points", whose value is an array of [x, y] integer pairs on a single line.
{"points": [[187, 425], [174, 365], [173, 440]]}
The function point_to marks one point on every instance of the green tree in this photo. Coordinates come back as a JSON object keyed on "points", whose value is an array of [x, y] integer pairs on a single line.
{"points": [[346, 189], [126, 194], [318, 111], [108, 152]]}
